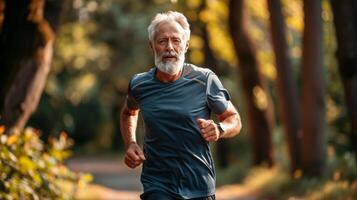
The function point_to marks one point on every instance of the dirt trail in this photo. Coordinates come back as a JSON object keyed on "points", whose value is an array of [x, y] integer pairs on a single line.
{"points": [[114, 181]]}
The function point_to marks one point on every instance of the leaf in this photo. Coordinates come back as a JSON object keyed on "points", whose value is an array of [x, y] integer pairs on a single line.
{"points": [[26, 164], [2, 129], [12, 139]]}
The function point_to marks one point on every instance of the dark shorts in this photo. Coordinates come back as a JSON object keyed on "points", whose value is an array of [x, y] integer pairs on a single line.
{"points": [[163, 196]]}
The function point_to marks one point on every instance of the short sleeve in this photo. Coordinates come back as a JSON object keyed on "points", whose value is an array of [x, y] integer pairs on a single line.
{"points": [[131, 101], [217, 96]]}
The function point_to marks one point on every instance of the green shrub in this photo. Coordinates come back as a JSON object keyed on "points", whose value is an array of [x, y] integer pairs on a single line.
{"points": [[30, 169]]}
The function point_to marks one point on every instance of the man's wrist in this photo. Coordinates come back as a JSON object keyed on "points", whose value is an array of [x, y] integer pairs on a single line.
{"points": [[220, 129], [127, 145]]}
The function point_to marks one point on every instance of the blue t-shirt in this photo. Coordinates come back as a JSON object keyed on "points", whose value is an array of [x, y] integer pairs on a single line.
{"points": [[178, 159]]}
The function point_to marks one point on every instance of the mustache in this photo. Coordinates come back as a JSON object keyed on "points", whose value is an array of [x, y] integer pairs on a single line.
{"points": [[170, 53]]}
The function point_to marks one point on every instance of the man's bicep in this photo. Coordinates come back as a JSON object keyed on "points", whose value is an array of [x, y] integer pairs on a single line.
{"points": [[230, 110], [128, 109]]}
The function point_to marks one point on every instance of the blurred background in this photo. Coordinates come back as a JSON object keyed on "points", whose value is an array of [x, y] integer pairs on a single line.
{"points": [[289, 65]]}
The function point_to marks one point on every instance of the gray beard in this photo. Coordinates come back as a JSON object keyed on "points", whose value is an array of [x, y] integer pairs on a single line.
{"points": [[171, 68]]}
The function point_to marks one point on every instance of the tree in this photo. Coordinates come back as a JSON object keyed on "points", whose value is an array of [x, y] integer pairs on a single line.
{"points": [[211, 62], [26, 44], [313, 103], [345, 21], [259, 105], [287, 89]]}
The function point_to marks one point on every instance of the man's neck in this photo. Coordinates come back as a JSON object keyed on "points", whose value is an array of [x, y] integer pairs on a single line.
{"points": [[167, 78]]}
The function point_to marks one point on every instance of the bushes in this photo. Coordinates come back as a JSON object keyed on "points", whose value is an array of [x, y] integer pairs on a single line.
{"points": [[30, 169]]}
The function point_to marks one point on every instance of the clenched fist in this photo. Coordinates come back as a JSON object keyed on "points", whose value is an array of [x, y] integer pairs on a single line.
{"points": [[209, 129], [134, 156]]}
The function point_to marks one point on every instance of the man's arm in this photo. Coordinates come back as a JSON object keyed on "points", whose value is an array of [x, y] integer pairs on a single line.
{"points": [[128, 123], [134, 156], [229, 121]]}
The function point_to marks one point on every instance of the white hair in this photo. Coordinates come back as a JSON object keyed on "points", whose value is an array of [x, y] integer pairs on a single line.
{"points": [[170, 16]]}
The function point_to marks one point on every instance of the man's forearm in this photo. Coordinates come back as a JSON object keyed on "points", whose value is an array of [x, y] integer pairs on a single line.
{"points": [[230, 122], [128, 123], [231, 126]]}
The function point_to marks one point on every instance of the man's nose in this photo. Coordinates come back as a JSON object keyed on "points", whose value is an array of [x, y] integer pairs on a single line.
{"points": [[169, 45]]}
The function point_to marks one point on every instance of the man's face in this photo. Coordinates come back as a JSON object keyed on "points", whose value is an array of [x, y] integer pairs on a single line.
{"points": [[169, 46]]}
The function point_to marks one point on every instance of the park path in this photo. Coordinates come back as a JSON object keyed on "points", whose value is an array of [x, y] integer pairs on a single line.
{"points": [[114, 181]]}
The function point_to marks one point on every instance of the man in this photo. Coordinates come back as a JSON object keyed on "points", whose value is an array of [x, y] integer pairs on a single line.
{"points": [[176, 100]]}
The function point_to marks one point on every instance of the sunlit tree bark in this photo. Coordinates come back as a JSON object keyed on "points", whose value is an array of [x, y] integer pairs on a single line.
{"points": [[313, 104], [345, 20], [26, 44], [259, 106], [287, 88]]}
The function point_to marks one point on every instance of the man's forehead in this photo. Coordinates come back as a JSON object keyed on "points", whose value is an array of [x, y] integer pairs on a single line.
{"points": [[169, 28]]}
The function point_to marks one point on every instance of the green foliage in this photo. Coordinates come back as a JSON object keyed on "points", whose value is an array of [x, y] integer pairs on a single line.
{"points": [[30, 169]]}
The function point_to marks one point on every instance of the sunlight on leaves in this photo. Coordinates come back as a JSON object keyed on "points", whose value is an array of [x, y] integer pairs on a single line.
{"points": [[260, 98], [196, 42], [219, 38], [222, 44], [219, 7], [258, 9], [75, 48], [31, 172], [197, 57], [80, 87], [52, 86], [26, 164], [258, 28], [205, 16], [256, 33], [294, 14], [267, 68], [12, 139], [333, 112], [193, 4], [326, 11], [2, 129]]}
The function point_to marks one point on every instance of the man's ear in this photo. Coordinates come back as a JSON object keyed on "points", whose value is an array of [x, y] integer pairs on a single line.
{"points": [[187, 45]]}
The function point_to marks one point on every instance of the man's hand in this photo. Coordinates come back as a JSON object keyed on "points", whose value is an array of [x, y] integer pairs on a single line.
{"points": [[134, 156], [209, 129]]}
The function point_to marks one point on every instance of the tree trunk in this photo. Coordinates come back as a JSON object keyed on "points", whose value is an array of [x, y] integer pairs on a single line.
{"points": [[210, 61], [260, 114], [345, 20], [26, 45], [287, 89], [313, 104]]}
